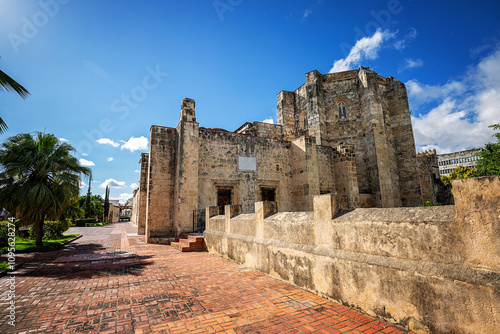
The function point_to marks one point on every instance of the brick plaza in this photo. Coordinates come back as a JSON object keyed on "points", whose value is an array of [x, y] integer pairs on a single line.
{"points": [[110, 281]]}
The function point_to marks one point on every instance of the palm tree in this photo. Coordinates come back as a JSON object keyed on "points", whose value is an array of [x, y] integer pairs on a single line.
{"points": [[38, 178], [9, 84]]}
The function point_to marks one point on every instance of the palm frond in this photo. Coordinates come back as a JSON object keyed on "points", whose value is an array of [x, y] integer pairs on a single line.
{"points": [[3, 126], [9, 84]]}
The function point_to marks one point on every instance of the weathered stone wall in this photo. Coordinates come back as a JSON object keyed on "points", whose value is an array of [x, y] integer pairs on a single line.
{"points": [[382, 160], [346, 181], [326, 164], [142, 194], [186, 175], [267, 130], [135, 207], [428, 176], [298, 170], [218, 167], [430, 269], [285, 111], [304, 173], [260, 129], [161, 183], [477, 202], [397, 116]]}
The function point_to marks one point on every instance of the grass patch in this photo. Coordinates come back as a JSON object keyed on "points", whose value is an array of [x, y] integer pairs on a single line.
{"points": [[30, 245], [4, 265]]}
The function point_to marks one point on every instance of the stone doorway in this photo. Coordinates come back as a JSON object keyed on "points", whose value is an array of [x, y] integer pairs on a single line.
{"points": [[223, 199], [268, 194]]}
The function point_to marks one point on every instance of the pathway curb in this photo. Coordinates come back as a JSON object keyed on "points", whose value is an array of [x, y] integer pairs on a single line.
{"points": [[20, 265]]}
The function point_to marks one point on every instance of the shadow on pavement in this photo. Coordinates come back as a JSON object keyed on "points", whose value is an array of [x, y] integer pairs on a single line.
{"points": [[84, 262]]}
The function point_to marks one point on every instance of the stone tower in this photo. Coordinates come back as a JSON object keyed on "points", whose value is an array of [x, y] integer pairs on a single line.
{"points": [[367, 111]]}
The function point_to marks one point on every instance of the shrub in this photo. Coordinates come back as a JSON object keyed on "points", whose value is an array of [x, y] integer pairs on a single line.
{"points": [[430, 203], [51, 229], [4, 234], [55, 229], [80, 222]]}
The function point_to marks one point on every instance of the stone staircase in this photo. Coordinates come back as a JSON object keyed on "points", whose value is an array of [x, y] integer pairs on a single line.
{"points": [[189, 243]]}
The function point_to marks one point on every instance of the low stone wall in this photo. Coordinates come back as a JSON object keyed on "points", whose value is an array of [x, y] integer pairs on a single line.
{"points": [[430, 269]]}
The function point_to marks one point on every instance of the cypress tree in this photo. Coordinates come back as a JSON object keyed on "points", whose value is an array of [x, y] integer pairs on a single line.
{"points": [[87, 201], [106, 204]]}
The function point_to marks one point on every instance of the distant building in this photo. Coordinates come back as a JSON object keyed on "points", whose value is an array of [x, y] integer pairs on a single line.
{"points": [[114, 213], [449, 161]]}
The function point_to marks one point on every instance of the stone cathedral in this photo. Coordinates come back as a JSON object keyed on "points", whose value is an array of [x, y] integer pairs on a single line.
{"points": [[348, 134]]}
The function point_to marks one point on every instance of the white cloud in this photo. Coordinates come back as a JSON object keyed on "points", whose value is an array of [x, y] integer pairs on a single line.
{"points": [[413, 63], [134, 185], [269, 120], [63, 139], [82, 184], [463, 109], [123, 197], [110, 159], [421, 93], [409, 37], [113, 184], [137, 171], [86, 163], [480, 49], [107, 141], [365, 48], [136, 144], [307, 12], [85, 154]]}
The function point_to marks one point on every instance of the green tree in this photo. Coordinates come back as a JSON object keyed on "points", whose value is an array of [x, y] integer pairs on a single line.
{"points": [[489, 157], [95, 206], [460, 172], [38, 178], [9, 84], [73, 210]]}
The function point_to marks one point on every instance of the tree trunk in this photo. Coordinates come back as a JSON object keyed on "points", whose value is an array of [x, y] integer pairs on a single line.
{"points": [[39, 233]]}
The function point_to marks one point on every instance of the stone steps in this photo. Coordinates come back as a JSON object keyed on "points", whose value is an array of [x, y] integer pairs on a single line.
{"points": [[188, 243]]}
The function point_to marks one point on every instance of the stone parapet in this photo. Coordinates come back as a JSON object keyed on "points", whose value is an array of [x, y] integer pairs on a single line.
{"points": [[477, 203], [430, 269]]}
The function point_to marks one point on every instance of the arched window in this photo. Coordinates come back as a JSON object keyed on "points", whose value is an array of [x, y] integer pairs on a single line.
{"points": [[342, 112]]}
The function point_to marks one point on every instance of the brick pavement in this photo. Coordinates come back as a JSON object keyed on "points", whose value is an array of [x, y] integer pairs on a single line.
{"points": [[110, 281]]}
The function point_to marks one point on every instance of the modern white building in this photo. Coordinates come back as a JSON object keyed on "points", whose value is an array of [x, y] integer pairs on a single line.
{"points": [[449, 161]]}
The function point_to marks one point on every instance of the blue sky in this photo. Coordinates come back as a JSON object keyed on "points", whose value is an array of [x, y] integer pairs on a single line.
{"points": [[101, 72]]}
